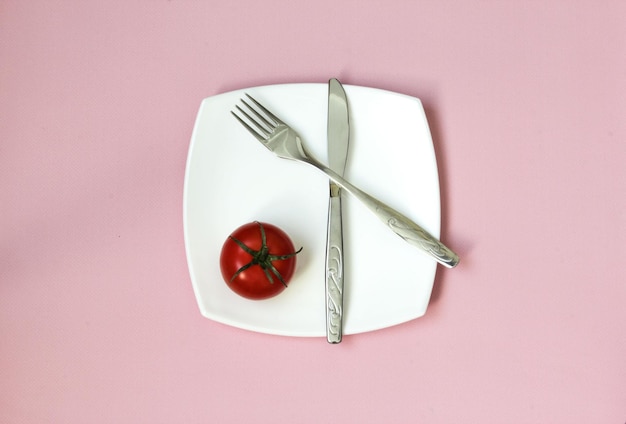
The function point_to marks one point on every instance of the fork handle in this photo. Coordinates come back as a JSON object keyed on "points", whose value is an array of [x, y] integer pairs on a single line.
{"points": [[398, 223]]}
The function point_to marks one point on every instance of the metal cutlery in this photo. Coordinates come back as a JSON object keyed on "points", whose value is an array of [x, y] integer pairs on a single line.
{"points": [[338, 134], [285, 142]]}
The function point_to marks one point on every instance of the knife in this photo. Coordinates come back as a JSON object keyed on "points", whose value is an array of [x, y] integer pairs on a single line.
{"points": [[338, 134]]}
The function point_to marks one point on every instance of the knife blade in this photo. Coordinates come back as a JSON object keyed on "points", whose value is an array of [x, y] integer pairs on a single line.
{"points": [[338, 135]]}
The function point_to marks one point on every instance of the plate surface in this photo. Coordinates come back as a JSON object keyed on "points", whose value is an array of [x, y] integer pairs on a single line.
{"points": [[231, 179]]}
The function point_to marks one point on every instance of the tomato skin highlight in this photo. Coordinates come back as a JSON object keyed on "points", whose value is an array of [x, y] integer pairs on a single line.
{"points": [[253, 283]]}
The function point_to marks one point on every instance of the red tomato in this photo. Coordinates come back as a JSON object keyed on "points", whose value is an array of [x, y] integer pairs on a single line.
{"points": [[258, 260]]}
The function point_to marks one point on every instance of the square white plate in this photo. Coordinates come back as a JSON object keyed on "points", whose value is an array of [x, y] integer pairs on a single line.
{"points": [[231, 179]]}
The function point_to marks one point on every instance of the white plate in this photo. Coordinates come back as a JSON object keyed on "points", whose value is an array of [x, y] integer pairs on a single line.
{"points": [[231, 179]]}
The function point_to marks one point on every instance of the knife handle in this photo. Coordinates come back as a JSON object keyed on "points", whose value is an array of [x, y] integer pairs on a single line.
{"points": [[334, 268], [408, 230]]}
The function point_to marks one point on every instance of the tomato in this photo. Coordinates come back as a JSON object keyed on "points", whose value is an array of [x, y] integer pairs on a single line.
{"points": [[258, 260]]}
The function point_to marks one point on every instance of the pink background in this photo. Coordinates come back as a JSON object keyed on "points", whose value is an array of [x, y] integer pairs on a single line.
{"points": [[526, 102]]}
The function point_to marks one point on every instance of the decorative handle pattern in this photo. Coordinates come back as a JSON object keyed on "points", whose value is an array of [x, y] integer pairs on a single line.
{"points": [[334, 269], [417, 236], [398, 223]]}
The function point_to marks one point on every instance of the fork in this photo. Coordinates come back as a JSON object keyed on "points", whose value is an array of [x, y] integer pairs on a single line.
{"points": [[285, 142]]}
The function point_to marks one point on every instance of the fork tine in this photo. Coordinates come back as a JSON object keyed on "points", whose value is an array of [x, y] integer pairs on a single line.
{"points": [[265, 111], [249, 128], [265, 130], [271, 126]]}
